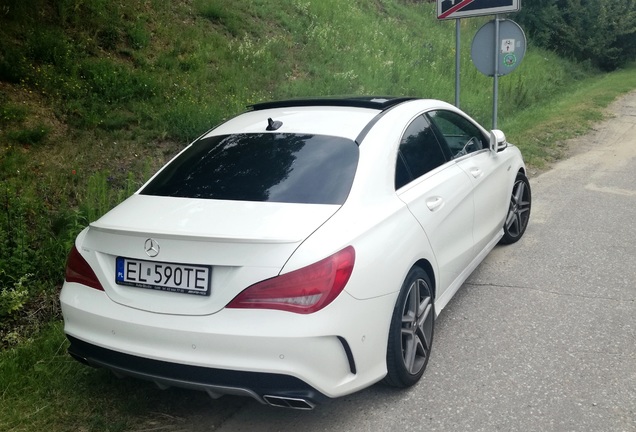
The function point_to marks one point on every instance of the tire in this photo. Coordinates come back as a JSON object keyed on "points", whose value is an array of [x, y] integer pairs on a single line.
{"points": [[411, 331], [519, 211]]}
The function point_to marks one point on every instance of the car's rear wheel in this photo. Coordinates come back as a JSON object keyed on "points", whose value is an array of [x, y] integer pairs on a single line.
{"points": [[411, 332], [519, 210]]}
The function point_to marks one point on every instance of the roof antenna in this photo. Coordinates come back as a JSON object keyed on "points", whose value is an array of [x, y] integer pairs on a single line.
{"points": [[273, 125]]}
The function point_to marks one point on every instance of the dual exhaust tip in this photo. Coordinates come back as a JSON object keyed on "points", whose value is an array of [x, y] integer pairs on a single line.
{"points": [[289, 402]]}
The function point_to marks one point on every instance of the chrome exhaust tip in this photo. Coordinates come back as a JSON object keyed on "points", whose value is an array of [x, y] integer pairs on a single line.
{"points": [[289, 402], [79, 358]]}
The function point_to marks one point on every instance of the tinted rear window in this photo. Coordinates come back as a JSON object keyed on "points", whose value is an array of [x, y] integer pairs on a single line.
{"points": [[293, 168]]}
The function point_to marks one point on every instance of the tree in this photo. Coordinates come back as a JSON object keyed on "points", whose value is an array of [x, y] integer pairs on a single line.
{"points": [[602, 32]]}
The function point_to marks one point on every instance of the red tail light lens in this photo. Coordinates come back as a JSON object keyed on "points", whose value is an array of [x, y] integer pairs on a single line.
{"points": [[78, 270], [305, 290]]}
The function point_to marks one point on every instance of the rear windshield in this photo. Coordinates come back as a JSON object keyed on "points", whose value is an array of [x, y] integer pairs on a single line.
{"points": [[292, 168]]}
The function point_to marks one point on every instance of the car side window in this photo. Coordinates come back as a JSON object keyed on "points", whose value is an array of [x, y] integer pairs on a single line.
{"points": [[462, 136], [419, 152]]}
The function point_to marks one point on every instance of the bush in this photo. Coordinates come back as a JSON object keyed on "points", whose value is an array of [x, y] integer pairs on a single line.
{"points": [[12, 299], [33, 135]]}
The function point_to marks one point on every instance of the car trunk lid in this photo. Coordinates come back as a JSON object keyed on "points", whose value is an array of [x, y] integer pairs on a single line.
{"points": [[240, 242]]}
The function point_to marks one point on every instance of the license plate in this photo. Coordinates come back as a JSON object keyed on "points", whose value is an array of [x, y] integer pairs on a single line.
{"points": [[180, 278]]}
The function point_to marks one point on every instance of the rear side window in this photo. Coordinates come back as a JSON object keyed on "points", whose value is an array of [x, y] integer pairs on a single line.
{"points": [[292, 168], [419, 152]]}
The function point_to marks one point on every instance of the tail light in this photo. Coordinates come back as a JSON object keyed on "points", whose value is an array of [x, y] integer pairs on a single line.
{"points": [[78, 270], [305, 290]]}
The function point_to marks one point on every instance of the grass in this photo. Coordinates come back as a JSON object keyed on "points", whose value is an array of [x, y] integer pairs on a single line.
{"points": [[29, 136], [540, 131], [44, 389], [95, 96]]}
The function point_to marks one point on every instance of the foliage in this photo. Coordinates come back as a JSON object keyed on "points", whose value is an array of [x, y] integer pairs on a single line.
{"points": [[13, 300], [601, 32], [36, 237], [29, 136]]}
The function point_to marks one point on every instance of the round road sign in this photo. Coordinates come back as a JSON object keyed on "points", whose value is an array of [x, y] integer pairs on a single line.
{"points": [[510, 48]]}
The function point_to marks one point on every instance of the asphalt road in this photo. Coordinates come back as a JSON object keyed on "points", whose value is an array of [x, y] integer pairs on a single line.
{"points": [[542, 337]]}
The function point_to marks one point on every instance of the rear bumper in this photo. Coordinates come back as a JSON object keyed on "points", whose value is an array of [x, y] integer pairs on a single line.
{"points": [[267, 388], [257, 353]]}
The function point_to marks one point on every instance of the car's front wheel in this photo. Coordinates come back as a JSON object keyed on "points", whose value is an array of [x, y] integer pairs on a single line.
{"points": [[411, 331], [518, 211]]}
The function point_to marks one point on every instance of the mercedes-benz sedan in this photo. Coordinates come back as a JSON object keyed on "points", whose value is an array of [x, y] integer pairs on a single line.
{"points": [[298, 252]]}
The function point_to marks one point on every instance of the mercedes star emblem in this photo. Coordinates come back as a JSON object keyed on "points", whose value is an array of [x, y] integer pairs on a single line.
{"points": [[152, 247]]}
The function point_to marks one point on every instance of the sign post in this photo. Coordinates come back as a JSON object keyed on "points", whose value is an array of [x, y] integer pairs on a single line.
{"points": [[497, 50], [495, 82], [457, 9], [458, 58]]}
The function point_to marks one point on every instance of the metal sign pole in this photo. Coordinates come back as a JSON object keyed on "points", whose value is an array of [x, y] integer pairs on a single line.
{"points": [[457, 60], [511, 49], [495, 91]]}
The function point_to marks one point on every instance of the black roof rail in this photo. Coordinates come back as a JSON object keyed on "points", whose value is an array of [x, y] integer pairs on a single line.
{"points": [[373, 102]]}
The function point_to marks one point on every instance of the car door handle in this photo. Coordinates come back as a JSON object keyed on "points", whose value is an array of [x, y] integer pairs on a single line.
{"points": [[476, 172], [434, 204]]}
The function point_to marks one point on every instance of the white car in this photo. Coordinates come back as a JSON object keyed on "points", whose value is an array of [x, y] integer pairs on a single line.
{"points": [[298, 252]]}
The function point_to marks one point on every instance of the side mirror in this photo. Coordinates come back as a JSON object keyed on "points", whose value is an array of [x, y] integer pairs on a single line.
{"points": [[497, 140]]}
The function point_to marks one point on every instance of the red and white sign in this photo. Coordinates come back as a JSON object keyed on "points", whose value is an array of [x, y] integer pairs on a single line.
{"points": [[452, 9]]}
